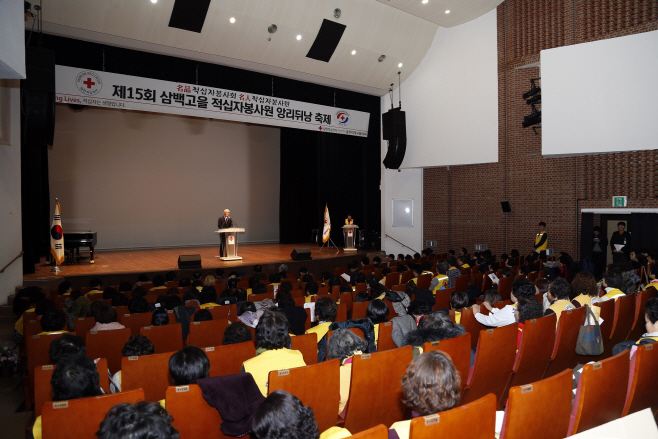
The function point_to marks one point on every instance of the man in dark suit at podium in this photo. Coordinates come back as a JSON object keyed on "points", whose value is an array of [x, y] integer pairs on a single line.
{"points": [[224, 222]]}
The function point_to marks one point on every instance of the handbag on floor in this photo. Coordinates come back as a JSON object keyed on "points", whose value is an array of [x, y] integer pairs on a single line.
{"points": [[590, 341]]}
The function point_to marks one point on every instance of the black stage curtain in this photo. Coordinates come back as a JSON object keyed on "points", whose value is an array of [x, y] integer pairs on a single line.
{"points": [[586, 231], [643, 230], [35, 204]]}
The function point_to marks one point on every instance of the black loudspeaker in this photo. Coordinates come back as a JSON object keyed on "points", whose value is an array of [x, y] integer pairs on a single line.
{"points": [[301, 254], [189, 14], [506, 206], [326, 41], [395, 154], [192, 262], [39, 97], [394, 124]]}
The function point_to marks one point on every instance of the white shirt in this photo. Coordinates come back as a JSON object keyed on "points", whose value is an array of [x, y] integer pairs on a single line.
{"points": [[498, 317]]}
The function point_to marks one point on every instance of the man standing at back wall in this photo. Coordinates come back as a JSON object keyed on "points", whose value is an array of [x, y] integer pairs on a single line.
{"points": [[541, 241], [224, 222]]}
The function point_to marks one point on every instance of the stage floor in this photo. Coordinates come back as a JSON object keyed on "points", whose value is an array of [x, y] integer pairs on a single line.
{"points": [[145, 261]]}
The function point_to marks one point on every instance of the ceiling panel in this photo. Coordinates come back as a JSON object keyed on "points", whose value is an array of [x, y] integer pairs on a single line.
{"points": [[461, 11]]}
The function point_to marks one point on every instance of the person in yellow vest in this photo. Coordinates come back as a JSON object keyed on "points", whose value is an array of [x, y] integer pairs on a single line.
{"points": [[584, 287], [541, 241], [462, 262], [653, 277], [424, 267], [53, 321], [558, 297], [74, 377], [430, 385], [612, 282], [441, 280], [458, 300], [272, 349], [343, 345], [95, 284]]}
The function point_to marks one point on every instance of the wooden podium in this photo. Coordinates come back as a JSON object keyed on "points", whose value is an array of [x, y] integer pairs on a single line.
{"points": [[231, 242], [349, 232]]}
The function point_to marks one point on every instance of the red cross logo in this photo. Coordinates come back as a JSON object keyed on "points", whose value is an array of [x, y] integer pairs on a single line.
{"points": [[325, 221], [320, 128], [88, 82]]}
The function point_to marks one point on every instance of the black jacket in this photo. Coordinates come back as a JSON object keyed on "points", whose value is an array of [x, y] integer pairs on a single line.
{"points": [[624, 238]]}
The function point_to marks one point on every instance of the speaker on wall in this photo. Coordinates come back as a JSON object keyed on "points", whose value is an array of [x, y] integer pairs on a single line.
{"points": [[301, 254], [394, 129], [506, 206], [38, 92], [190, 262]]}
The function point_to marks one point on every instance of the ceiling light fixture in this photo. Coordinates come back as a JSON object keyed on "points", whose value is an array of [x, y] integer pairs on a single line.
{"points": [[272, 28], [232, 19], [448, 11], [400, 65], [337, 13], [425, 1], [381, 58], [154, 1], [299, 37], [354, 52]]}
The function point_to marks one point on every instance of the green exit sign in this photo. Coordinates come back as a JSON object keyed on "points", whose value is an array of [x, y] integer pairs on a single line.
{"points": [[618, 201]]}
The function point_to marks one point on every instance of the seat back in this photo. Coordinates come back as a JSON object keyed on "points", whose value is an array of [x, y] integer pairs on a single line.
{"points": [[487, 283], [505, 287], [457, 423], [466, 271], [494, 359], [81, 418], [462, 281], [405, 277], [376, 390], [84, 325], [359, 310], [193, 417], [640, 304], [136, 321], [147, 372], [472, 326], [228, 359], [341, 313], [424, 281], [540, 409], [208, 333], [564, 350], [378, 432], [296, 382], [108, 344], [165, 338], [385, 338], [641, 386], [229, 312], [459, 349], [346, 298], [307, 344], [601, 393], [535, 352], [532, 277], [43, 391], [622, 324], [31, 326], [392, 279], [259, 297], [38, 351], [442, 298]]}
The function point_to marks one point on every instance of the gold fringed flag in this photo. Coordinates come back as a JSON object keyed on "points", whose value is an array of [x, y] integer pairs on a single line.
{"points": [[327, 225], [57, 236]]}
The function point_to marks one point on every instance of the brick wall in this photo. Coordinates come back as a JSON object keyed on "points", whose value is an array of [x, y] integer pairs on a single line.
{"points": [[462, 204]]}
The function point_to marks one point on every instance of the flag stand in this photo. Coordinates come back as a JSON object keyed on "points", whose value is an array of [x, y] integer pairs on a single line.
{"points": [[56, 269], [329, 245]]}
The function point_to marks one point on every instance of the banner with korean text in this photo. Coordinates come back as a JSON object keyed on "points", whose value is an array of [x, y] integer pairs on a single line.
{"points": [[112, 90]]}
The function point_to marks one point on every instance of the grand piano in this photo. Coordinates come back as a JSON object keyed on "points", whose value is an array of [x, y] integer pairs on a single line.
{"points": [[74, 240]]}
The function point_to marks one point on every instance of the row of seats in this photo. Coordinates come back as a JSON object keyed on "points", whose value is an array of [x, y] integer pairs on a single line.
{"points": [[606, 391]]}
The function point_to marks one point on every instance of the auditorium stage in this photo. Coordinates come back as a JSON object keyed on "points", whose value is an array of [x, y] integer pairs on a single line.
{"points": [[113, 266]]}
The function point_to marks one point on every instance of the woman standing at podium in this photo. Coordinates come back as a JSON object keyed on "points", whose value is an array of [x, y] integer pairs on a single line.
{"points": [[224, 222]]}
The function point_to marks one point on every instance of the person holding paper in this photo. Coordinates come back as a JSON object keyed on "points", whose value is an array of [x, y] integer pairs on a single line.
{"points": [[224, 222], [620, 244]]}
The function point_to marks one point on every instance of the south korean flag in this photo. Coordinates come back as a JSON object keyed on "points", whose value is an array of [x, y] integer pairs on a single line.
{"points": [[57, 236]]}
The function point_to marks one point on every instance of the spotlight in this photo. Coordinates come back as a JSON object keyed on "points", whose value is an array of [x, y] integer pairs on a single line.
{"points": [[448, 11], [299, 37], [425, 1], [354, 52], [533, 89], [154, 1], [533, 119], [272, 28], [534, 100], [232, 20], [381, 58], [400, 65]]}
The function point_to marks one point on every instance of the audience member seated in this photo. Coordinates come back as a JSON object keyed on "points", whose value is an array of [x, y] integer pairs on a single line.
{"points": [[441, 280], [142, 279], [491, 296], [21, 306], [612, 283], [202, 315], [144, 420], [208, 297], [121, 300], [402, 325], [67, 345], [236, 332], [64, 288], [110, 293], [159, 318], [344, 344], [272, 349], [248, 314], [452, 272], [542, 288], [377, 262], [436, 326], [522, 289], [584, 290], [138, 305], [653, 277], [430, 385], [105, 315], [462, 262], [377, 312], [73, 378], [185, 282], [136, 346], [295, 314], [188, 365], [53, 321], [325, 312], [95, 284], [77, 306], [559, 292], [651, 325], [311, 289], [259, 288], [458, 300]]}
